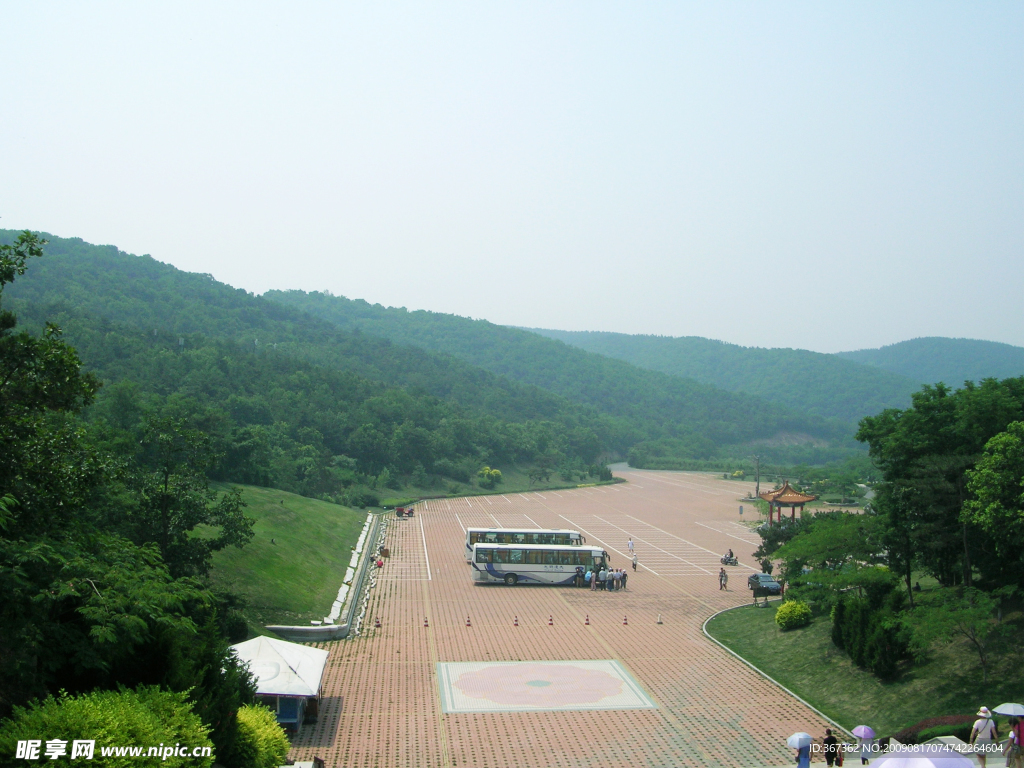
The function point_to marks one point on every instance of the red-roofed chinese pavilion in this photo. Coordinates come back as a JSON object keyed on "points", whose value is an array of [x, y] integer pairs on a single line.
{"points": [[786, 496]]}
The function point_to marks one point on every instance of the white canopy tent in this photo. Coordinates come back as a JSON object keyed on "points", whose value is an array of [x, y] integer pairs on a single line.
{"points": [[282, 668]]}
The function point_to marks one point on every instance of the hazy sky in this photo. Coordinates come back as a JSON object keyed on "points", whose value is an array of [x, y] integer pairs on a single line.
{"points": [[822, 175]]}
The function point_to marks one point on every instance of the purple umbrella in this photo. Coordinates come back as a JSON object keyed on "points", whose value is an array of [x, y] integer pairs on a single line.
{"points": [[923, 756], [863, 732]]}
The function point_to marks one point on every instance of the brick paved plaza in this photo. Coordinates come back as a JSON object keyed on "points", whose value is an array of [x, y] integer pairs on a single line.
{"points": [[382, 700]]}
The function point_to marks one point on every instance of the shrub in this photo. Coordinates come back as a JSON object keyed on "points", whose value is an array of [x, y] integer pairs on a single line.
{"points": [[261, 741], [792, 614], [144, 717]]}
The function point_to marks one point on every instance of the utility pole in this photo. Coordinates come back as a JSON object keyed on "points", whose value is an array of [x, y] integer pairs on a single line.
{"points": [[757, 464]]}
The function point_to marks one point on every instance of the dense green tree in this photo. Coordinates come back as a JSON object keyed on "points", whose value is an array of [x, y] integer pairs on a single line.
{"points": [[929, 448], [173, 498], [997, 507]]}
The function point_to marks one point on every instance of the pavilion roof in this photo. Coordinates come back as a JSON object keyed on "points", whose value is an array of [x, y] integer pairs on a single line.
{"points": [[787, 494]]}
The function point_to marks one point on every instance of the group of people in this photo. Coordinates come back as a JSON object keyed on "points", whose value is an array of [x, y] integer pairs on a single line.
{"points": [[984, 738], [606, 579]]}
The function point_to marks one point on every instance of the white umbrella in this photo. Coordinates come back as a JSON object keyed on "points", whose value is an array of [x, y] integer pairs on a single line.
{"points": [[923, 756], [1010, 709], [799, 739]]}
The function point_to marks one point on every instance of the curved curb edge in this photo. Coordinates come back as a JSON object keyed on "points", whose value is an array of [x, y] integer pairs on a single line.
{"points": [[762, 673]]}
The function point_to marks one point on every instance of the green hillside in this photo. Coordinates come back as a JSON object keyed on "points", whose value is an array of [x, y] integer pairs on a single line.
{"points": [[685, 417], [137, 319], [291, 570], [820, 384], [930, 360]]}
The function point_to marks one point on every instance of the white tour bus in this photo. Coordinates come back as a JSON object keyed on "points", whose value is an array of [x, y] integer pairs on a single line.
{"points": [[521, 536], [534, 563]]}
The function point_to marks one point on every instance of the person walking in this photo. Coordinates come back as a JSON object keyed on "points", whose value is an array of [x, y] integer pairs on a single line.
{"points": [[630, 545], [1015, 744], [623, 578], [634, 562], [803, 756], [723, 578], [602, 578], [830, 746], [864, 744], [618, 578], [983, 735], [592, 577]]}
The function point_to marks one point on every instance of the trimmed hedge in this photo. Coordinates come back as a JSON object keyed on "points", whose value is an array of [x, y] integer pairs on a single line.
{"points": [[793, 614], [912, 733]]}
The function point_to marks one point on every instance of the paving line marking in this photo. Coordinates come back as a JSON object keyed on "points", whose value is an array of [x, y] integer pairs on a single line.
{"points": [[684, 540], [606, 544], [533, 521], [425, 555], [459, 522], [506, 498], [467, 502], [730, 535], [524, 497], [539, 494], [495, 520], [677, 557]]}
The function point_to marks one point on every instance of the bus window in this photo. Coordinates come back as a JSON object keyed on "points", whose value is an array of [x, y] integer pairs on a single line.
{"points": [[491, 538], [483, 555], [500, 556], [474, 537], [515, 556], [518, 538], [534, 557], [550, 557], [565, 558]]}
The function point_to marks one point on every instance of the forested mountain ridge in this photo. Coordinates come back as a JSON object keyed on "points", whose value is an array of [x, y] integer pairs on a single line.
{"points": [[821, 384], [142, 293], [657, 401], [931, 359], [510, 375]]}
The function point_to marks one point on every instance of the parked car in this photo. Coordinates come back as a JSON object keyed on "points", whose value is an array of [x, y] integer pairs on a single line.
{"points": [[765, 581]]}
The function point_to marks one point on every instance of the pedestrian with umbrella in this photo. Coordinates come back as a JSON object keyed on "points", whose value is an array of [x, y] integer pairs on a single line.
{"points": [[801, 742], [1015, 744], [865, 735]]}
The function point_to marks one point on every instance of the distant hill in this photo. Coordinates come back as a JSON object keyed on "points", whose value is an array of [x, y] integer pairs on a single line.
{"points": [[702, 420], [518, 380], [932, 359], [821, 384]]}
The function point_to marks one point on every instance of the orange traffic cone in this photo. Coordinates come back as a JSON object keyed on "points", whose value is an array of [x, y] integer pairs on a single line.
{"points": [[587, 622], [551, 620], [625, 623], [425, 623], [515, 622], [376, 622], [467, 622]]}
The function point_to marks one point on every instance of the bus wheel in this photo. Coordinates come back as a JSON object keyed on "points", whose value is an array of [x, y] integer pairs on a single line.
{"points": [[511, 579]]}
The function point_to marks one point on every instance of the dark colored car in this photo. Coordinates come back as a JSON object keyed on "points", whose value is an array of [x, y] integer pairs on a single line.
{"points": [[765, 581]]}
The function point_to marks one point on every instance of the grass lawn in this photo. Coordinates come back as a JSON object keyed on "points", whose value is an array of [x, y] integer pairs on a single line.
{"points": [[805, 661], [297, 577]]}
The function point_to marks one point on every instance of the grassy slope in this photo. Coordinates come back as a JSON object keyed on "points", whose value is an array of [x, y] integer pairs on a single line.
{"points": [[825, 385], [297, 578], [953, 361], [806, 662]]}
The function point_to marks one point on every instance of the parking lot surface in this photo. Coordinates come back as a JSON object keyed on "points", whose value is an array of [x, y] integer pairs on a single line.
{"points": [[627, 691]]}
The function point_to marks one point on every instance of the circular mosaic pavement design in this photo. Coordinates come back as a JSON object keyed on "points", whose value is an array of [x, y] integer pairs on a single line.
{"points": [[538, 686]]}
